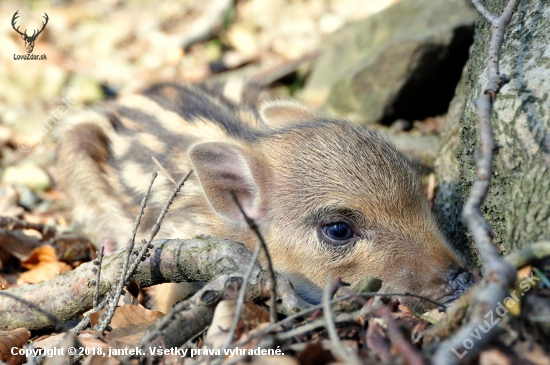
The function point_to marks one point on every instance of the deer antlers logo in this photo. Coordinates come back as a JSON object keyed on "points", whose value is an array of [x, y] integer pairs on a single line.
{"points": [[29, 40]]}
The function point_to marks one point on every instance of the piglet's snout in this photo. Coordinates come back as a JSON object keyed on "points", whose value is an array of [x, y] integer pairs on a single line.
{"points": [[459, 281]]}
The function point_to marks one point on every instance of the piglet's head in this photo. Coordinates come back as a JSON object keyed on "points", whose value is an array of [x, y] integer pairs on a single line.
{"points": [[332, 199]]}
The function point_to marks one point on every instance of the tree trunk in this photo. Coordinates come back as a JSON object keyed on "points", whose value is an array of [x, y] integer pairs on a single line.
{"points": [[518, 204]]}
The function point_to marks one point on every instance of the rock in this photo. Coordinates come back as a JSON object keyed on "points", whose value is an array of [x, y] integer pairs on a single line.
{"points": [[423, 149], [27, 174], [403, 62]]}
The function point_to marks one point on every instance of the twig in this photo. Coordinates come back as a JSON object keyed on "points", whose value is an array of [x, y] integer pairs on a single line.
{"points": [[272, 288], [240, 298], [11, 223], [146, 244], [85, 322], [346, 356], [482, 10], [31, 360], [498, 275], [273, 291], [396, 336], [274, 326], [318, 323], [53, 319], [156, 227], [98, 262], [163, 170], [528, 254], [113, 301]]}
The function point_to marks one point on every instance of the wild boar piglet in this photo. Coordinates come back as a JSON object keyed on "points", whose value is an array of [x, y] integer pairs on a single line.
{"points": [[330, 198]]}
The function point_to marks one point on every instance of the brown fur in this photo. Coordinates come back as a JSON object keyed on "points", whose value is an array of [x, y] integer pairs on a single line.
{"points": [[293, 172]]}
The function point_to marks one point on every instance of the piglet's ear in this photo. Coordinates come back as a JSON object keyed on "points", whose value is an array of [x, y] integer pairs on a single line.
{"points": [[222, 168], [282, 113]]}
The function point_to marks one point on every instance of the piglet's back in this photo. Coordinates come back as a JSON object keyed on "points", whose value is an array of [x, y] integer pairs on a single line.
{"points": [[104, 153]]}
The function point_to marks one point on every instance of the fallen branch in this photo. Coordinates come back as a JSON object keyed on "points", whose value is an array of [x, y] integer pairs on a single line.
{"points": [[498, 275], [71, 293]]}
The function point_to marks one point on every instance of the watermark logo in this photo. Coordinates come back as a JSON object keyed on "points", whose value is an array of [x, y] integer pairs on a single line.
{"points": [[501, 310], [29, 40]]}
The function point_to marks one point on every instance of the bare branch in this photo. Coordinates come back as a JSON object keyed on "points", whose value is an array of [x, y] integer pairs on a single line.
{"points": [[402, 345], [254, 228], [347, 357], [535, 251], [498, 275], [98, 262], [482, 10], [113, 300], [51, 318], [70, 294]]}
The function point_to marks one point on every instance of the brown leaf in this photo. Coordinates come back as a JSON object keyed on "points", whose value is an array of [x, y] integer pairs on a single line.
{"points": [[43, 272], [129, 324], [40, 255], [43, 265], [97, 359], [10, 339], [252, 316], [405, 318], [314, 354], [221, 322]]}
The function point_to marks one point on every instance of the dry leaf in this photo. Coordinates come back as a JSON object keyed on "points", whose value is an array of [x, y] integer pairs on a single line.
{"points": [[97, 359], [43, 265], [40, 255], [10, 339], [314, 354], [48, 341], [43, 272], [252, 316], [221, 322], [129, 324]]}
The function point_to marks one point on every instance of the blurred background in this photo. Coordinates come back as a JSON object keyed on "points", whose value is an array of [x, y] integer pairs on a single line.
{"points": [[391, 65]]}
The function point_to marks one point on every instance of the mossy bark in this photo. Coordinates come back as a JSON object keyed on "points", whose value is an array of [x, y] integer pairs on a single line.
{"points": [[518, 204], [448, 200]]}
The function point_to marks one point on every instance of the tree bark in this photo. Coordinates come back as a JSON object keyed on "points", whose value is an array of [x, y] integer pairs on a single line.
{"points": [[518, 204]]}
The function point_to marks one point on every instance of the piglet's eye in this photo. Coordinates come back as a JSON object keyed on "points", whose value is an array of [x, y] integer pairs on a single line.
{"points": [[339, 232]]}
